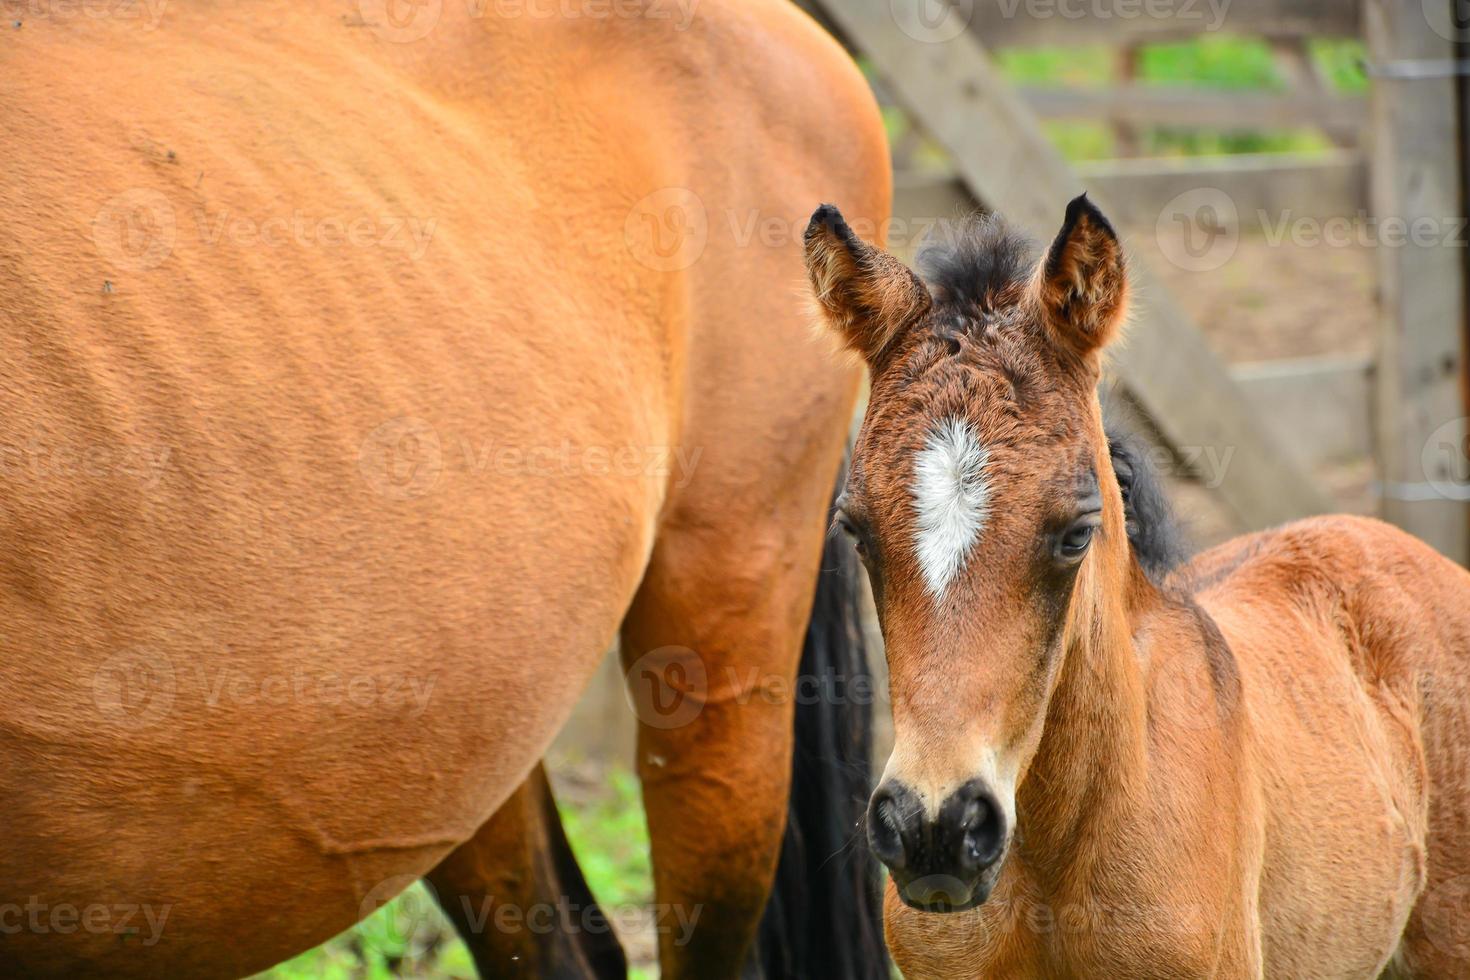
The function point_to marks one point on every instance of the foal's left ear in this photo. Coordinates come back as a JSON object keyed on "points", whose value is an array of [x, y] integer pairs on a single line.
{"points": [[1082, 285]]}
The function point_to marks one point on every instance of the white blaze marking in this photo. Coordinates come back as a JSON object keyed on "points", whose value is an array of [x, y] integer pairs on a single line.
{"points": [[951, 500]]}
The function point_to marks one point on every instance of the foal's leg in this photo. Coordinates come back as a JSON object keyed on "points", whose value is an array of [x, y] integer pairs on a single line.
{"points": [[516, 895]]}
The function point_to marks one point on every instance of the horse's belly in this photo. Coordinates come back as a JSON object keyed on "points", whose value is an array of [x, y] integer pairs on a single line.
{"points": [[219, 761], [315, 519]]}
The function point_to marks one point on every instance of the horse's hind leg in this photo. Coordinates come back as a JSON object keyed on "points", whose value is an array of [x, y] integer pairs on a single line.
{"points": [[711, 647], [516, 895]]}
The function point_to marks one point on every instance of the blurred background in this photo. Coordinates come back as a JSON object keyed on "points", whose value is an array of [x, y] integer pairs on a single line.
{"points": [[1290, 180]]}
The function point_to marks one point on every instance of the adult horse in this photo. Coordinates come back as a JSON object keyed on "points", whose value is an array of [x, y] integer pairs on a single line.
{"points": [[1253, 767], [363, 374]]}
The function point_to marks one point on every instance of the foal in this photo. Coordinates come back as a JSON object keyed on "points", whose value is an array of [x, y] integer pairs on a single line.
{"points": [[1258, 765]]}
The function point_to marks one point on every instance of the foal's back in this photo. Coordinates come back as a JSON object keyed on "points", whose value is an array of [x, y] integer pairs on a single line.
{"points": [[1353, 645]]}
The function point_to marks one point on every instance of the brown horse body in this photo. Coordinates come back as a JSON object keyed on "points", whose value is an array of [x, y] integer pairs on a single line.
{"points": [[358, 383], [1258, 766]]}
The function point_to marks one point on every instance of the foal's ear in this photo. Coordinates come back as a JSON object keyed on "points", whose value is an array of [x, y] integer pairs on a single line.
{"points": [[866, 295], [1082, 285]]}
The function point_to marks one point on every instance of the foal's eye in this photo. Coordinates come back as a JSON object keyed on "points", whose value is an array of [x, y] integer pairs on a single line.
{"points": [[1074, 541], [850, 529]]}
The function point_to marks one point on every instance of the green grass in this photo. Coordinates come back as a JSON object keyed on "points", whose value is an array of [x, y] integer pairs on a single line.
{"points": [[610, 838], [1213, 62], [410, 936]]}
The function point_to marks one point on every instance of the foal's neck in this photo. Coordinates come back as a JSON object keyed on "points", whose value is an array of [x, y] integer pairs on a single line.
{"points": [[1092, 759]]}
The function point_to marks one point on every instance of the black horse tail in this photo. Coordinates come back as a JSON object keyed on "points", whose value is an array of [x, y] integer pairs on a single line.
{"points": [[824, 917]]}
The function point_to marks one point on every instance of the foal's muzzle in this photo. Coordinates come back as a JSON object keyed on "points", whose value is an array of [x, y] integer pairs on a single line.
{"points": [[946, 864]]}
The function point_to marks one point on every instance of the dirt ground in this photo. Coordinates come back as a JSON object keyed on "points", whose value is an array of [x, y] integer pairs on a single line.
{"points": [[1269, 302]]}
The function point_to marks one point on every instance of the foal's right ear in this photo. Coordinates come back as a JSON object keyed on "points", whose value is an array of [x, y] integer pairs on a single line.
{"points": [[867, 295]]}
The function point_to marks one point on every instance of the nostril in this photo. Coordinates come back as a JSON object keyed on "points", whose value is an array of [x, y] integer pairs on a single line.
{"points": [[885, 826], [982, 830]]}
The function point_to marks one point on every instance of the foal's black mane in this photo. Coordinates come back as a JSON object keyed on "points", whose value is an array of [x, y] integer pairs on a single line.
{"points": [[967, 264], [1153, 532]]}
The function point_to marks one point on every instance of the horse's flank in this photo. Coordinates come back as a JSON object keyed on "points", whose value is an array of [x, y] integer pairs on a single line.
{"points": [[347, 394]]}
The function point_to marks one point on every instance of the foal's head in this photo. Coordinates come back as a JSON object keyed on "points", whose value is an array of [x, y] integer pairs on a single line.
{"points": [[982, 501]]}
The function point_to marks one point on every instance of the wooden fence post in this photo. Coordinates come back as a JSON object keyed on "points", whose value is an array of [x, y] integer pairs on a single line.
{"points": [[1415, 180]]}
